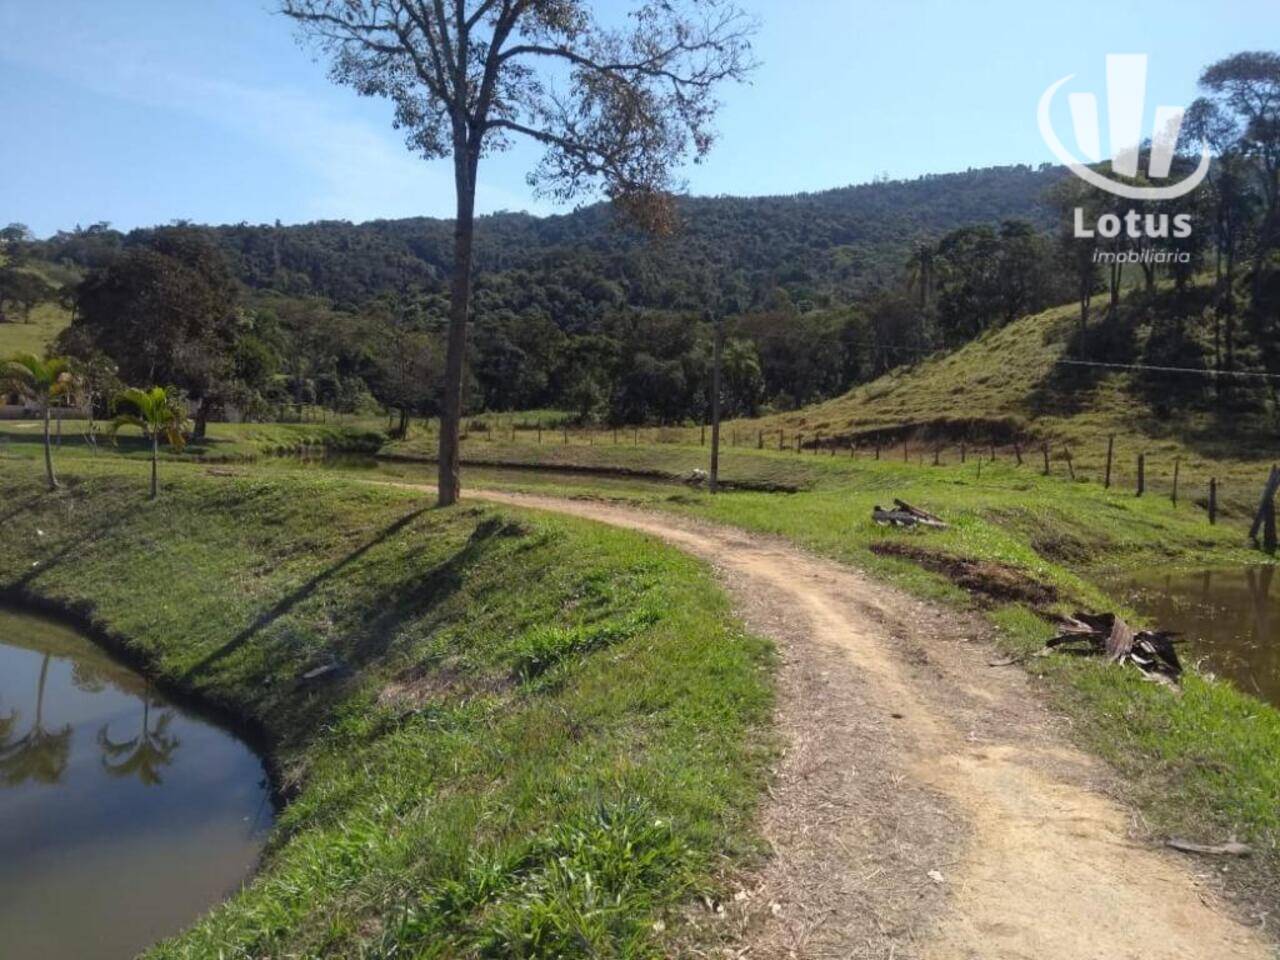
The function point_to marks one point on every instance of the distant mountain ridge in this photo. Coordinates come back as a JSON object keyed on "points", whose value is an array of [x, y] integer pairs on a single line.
{"points": [[821, 247]]}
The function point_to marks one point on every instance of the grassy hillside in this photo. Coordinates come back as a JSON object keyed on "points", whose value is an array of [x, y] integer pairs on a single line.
{"points": [[46, 321], [1009, 383], [549, 770]]}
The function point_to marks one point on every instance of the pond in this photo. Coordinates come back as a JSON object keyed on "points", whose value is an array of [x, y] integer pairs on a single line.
{"points": [[123, 817], [476, 475], [1230, 619]]}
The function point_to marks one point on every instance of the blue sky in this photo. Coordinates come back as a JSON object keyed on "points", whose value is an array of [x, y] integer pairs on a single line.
{"points": [[143, 111]]}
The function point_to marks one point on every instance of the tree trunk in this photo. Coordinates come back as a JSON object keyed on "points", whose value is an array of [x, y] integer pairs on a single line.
{"points": [[450, 482], [48, 453], [718, 354], [202, 418], [404, 424], [155, 456]]}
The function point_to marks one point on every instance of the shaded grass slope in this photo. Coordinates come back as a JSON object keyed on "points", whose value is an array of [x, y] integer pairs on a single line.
{"points": [[529, 736]]}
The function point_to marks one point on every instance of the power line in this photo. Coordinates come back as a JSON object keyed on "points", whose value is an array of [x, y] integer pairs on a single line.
{"points": [[1158, 369]]}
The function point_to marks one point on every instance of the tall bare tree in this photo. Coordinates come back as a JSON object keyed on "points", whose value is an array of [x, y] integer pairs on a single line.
{"points": [[617, 102]]}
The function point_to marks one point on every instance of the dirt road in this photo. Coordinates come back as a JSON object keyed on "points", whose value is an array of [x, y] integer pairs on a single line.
{"points": [[926, 806]]}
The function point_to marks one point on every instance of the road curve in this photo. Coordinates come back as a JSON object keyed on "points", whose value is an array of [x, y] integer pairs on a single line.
{"points": [[926, 804]]}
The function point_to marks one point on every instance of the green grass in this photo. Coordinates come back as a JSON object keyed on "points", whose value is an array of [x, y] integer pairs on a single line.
{"points": [[1204, 764], [551, 736], [47, 320], [1010, 379], [226, 442]]}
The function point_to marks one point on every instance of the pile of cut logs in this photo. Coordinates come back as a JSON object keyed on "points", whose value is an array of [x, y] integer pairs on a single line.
{"points": [[1105, 634]]}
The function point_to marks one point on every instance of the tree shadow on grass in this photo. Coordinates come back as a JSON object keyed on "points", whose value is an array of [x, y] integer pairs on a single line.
{"points": [[408, 600], [1068, 388], [78, 544], [291, 600]]}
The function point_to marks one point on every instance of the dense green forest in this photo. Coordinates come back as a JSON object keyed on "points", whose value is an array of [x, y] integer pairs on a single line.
{"points": [[575, 311], [822, 248]]}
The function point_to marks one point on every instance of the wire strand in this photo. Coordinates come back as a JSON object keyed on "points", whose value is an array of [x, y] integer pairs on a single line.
{"points": [[1159, 369]]}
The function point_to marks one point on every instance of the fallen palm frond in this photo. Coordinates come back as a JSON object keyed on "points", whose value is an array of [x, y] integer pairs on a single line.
{"points": [[1105, 634]]}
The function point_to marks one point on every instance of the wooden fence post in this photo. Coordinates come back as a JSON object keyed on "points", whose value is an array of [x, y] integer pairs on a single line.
{"points": [[817, 443], [780, 444], [565, 427], [759, 439], [799, 441], [937, 453], [993, 451], [1044, 449], [1142, 473], [1017, 451], [539, 432], [1268, 499], [877, 449], [1177, 463], [1071, 469], [1213, 500], [702, 438], [1111, 444], [905, 457], [962, 452]]}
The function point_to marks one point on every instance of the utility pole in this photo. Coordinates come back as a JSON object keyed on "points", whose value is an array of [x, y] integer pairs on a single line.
{"points": [[717, 356]]}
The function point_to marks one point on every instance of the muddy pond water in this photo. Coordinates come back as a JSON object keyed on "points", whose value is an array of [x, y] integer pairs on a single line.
{"points": [[123, 817], [1229, 618]]}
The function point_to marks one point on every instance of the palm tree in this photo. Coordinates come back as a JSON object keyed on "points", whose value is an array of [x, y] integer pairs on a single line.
{"points": [[42, 381], [142, 756], [158, 412], [40, 756]]}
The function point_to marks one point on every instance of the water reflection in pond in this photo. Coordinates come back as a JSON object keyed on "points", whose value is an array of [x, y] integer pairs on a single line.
{"points": [[1230, 619], [122, 817]]}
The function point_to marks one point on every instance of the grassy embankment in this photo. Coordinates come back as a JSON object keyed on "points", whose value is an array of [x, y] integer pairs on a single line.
{"points": [[226, 442], [544, 736]]}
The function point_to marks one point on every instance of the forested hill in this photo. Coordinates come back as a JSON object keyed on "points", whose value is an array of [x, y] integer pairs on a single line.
{"points": [[820, 247]]}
